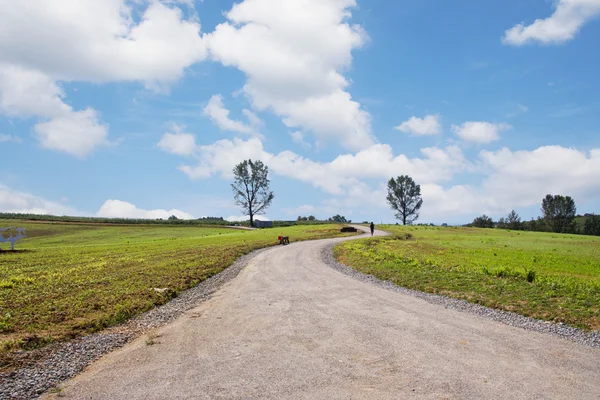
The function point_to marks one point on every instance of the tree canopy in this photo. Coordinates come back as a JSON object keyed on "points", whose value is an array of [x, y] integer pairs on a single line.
{"points": [[483, 221], [592, 225], [512, 221], [251, 188], [559, 213], [340, 219], [404, 196]]}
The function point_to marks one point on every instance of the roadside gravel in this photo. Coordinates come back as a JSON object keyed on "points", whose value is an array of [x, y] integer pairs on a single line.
{"points": [[591, 339], [62, 361]]}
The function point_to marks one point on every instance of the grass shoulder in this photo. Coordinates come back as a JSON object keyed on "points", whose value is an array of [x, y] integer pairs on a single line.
{"points": [[542, 275], [67, 280]]}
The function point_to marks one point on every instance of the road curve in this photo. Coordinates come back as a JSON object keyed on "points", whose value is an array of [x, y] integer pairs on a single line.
{"points": [[290, 327]]}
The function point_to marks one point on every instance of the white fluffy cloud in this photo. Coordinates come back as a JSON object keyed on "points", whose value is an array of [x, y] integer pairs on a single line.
{"points": [[100, 41], [291, 70], [123, 209], [518, 179], [221, 156], [561, 26], [337, 176], [508, 179], [77, 133], [15, 201], [30, 93], [27, 93], [548, 169], [430, 125], [86, 40], [180, 143], [219, 115], [480, 132]]}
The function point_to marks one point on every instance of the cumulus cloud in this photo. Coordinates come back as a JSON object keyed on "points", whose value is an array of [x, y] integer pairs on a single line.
{"points": [[15, 201], [480, 132], [28, 93], [219, 115], [123, 209], [349, 178], [100, 41], [291, 70], [77, 133], [517, 179], [566, 21], [375, 162], [221, 156], [430, 125], [180, 143], [97, 41], [548, 169]]}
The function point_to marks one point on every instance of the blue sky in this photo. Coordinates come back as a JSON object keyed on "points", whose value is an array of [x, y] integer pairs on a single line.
{"points": [[141, 109]]}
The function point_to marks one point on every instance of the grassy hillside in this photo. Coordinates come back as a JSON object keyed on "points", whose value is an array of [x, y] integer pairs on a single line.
{"points": [[68, 279], [547, 276]]}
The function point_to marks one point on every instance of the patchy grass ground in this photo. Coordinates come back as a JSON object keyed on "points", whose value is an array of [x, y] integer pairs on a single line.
{"points": [[65, 280], [543, 275]]}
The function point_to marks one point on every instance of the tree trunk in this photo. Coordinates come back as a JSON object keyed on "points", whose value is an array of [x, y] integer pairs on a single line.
{"points": [[251, 220]]}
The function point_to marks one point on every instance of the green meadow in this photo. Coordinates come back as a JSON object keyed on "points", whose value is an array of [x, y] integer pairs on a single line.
{"points": [[68, 279], [547, 276]]}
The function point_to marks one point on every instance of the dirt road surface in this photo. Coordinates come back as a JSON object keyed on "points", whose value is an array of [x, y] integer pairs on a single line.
{"points": [[290, 327]]}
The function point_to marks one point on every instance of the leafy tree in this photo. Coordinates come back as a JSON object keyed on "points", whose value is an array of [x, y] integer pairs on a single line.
{"points": [[483, 222], [340, 219], [513, 221], [173, 218], [404, 196], [592, 225], [251, 188], [502, 224], [311, 218], [559, 213]]}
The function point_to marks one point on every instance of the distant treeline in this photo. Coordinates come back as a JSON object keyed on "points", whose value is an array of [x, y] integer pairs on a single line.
{"points": [[173, 220], [116, 221], [559, 215]]}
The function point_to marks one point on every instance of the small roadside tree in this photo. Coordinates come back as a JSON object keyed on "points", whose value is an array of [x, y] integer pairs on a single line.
{"points": [[559, 213], [404, 196], [251, 188]]}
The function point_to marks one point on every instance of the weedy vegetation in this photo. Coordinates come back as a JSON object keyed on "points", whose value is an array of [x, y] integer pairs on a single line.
{"points": [[548, 276], [69, 279]]}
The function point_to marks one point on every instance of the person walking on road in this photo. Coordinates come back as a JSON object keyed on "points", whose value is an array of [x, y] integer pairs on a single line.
{"points": [[372, 228]]}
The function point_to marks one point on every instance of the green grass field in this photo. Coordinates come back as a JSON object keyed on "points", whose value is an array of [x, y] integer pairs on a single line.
{"points": [[543, 275], [65, 280]]}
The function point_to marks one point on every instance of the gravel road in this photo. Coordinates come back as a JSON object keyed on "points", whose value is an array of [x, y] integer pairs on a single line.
{"points": [[289, 326]]}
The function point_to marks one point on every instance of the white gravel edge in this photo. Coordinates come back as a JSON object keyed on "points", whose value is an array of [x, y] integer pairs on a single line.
{"points": [[591, 339]]}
